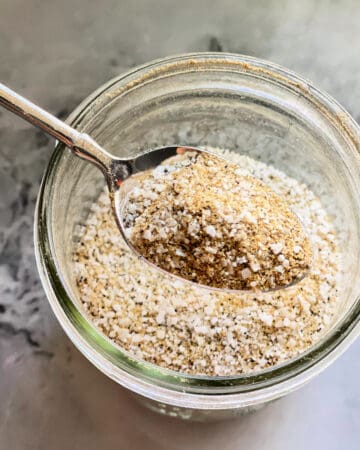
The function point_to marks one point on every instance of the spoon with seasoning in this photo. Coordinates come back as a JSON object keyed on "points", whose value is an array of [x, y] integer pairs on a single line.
{"points": [[191, 213]]}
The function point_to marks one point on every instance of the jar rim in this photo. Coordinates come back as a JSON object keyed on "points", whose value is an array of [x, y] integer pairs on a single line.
{"points": [[268, 383]]}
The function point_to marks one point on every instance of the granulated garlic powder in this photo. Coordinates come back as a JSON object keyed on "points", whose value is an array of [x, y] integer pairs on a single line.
{"points": [[191, 329]]}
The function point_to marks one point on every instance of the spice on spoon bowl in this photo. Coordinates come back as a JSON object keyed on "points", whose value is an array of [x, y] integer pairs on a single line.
{"points": [[201, 218]]}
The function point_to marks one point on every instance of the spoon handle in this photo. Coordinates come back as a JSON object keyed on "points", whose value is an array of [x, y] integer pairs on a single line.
{"points": [[80, 143]]}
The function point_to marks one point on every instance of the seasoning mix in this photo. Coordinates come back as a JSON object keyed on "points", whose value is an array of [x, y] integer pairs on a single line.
{"points": [[202, 218], [188, 328]]}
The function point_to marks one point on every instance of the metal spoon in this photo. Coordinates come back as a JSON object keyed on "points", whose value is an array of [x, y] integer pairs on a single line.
{"points": [[116, 170]]}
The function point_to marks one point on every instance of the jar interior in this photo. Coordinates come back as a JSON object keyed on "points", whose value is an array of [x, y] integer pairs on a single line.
{"points": [[244, 113]]}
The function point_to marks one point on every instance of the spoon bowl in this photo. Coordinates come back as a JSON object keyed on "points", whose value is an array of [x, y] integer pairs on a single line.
{"points": [[120, 195]]}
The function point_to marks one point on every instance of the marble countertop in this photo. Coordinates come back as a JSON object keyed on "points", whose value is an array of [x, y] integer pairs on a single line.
{"points": [[56, 53]]}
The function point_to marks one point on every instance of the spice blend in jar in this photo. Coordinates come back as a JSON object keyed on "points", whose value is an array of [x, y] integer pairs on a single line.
{"points": [[191, 329]]}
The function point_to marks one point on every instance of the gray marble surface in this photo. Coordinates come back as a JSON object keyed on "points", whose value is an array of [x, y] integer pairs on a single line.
{"points": [[57, 52]]}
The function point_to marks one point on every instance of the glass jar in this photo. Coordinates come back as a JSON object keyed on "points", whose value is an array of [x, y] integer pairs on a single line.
{"points": [[222, 100]]}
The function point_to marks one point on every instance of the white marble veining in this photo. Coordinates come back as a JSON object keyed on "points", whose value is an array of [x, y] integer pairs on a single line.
{"points": [[58, 52]]}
